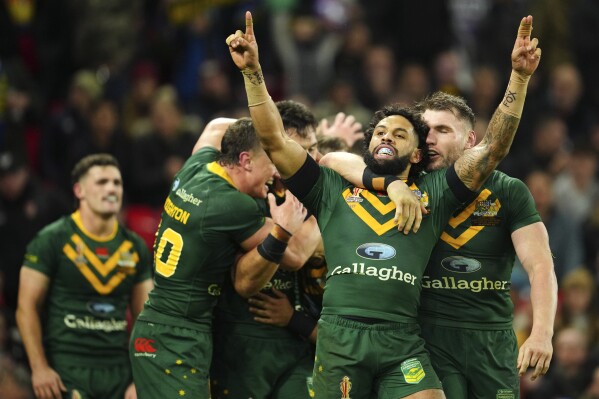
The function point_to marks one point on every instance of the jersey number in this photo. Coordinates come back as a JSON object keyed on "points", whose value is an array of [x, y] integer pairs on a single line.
{"points": [[167, 268]]}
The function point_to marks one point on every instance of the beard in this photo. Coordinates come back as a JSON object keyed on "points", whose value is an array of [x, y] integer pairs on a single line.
{"points": [[393, 166]]}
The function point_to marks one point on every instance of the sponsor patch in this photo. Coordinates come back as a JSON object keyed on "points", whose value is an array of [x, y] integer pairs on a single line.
{"points": [[460, 264], [355, 196], [377, 251], [144, 347], [412, 371], [100, 308]]}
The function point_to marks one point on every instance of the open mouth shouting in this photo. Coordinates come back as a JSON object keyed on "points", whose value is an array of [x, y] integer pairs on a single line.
{"points": [[384, 151]]}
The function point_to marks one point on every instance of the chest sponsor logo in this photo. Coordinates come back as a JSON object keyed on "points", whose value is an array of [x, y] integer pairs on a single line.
{"points": [[188, 197], [100, 308], [176, 184], [460, 264], [382, 273], [144, 347], [377, 251], [452, 283], [279, 284], [91, 323]]}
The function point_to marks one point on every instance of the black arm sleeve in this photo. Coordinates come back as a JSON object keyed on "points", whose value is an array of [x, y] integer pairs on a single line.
{"points": [[457, 187], [304, 179]]}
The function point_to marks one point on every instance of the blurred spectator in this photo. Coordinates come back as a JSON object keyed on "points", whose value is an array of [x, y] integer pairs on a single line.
{"points": [[592, 391], [579, 308], [552, 25], [413, 84], [105, 136], [349, 58], [584, 22], [342, 98], [550, 150], [568, 375], [15, 382], [377, 85], [25, 207], [565, 238], [328, 144], [306, 48], [576, 189], [159, 155], [137, 102], [214, 95], [486, 91], [446, 73], [66, 130]]}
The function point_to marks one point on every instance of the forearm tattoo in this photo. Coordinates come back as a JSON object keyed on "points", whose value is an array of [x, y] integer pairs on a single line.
{"points": [[475, 166]]}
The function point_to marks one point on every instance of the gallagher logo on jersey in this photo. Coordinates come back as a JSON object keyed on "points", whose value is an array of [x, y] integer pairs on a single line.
{"points": [[460, 264], [100, 308], [376, 251]]}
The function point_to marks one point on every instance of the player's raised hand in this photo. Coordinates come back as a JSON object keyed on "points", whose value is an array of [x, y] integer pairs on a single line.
{"points": [[526, 54], [243, 46], [344, 126]]}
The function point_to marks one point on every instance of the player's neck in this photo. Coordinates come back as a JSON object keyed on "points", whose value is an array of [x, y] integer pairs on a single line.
{"points": [[97, 225]]}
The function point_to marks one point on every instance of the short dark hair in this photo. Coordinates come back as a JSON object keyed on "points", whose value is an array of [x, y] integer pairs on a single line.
{"points": [[296, 116], [239, 137], [86, 163], [441, 101], [420, 128]]}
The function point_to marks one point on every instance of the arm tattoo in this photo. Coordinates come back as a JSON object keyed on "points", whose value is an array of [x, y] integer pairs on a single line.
{"points": [[475, 166]]}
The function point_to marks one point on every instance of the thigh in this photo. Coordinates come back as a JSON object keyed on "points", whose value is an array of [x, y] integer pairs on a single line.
{"points": [[407, 369], [341, 364], [169, 361], [297, 382], [492, 372]]}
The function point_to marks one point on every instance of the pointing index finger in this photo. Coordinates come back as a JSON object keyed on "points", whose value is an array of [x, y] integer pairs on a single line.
{"points": [[249, 23]]}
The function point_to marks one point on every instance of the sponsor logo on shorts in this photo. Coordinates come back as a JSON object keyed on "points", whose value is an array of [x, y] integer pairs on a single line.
{"points": [[460, 264], [376, 251], [505, 394], [345, 387], [310, 386], [412, 371], [143, 347]]}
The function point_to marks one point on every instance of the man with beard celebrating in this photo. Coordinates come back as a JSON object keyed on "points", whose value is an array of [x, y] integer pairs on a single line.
{"points": [[368, 337]]}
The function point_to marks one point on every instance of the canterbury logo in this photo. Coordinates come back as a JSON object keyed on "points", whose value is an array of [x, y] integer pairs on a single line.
{"points": [[144, 345]]}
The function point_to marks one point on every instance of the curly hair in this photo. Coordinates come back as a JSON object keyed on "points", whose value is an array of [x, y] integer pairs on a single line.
{"points": [[420, 128]]}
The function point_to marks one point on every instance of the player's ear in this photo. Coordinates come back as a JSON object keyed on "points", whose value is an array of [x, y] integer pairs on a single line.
{"points": [[246, 161], [78, 190], [416, 156]]}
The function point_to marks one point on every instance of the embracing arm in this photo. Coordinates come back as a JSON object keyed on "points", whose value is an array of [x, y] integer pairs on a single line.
{"points": [[476, 164], [532, 247], [213, 133]]}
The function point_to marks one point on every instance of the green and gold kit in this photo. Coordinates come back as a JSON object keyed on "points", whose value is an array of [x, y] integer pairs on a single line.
{"points": [[374, 270], [205, 219], [91, 282], [467, 281]]}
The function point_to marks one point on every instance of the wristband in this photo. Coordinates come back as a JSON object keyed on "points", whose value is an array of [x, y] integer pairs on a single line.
{"points": [[374, 182], [301, 324], [255, 87], [513, 100], [274, 245]]}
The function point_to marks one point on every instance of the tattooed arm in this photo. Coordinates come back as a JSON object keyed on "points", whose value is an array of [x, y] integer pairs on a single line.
{"points": [[476, 164]]}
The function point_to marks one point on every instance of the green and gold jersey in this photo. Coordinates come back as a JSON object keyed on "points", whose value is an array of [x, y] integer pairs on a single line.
{"points": [[204, 221], [467, 281], [374, 270], [91, 279]]}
